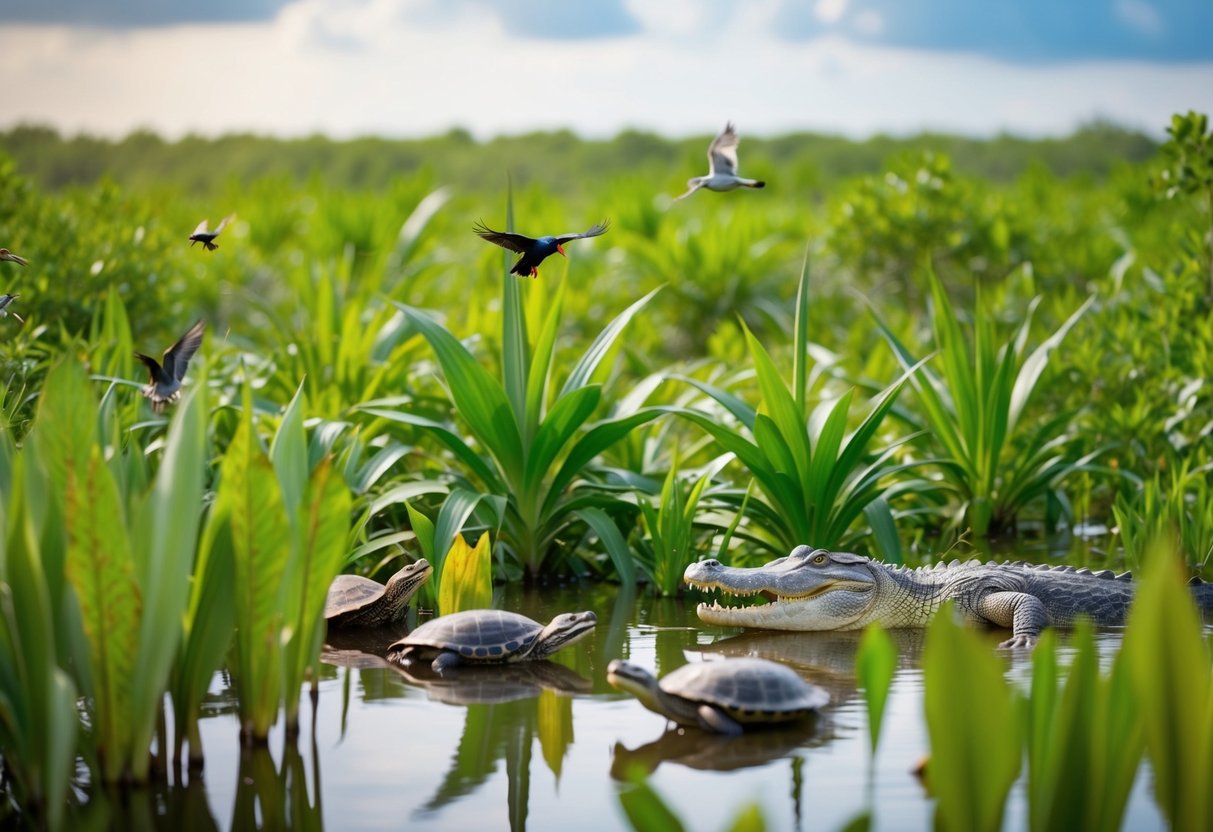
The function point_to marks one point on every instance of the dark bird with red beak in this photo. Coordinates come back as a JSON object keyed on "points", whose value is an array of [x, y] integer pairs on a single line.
{"points": [[534, 251]]}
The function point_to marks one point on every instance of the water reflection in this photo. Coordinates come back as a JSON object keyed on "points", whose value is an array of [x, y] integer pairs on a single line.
{"points": [[489, 685], [273, 797], [706, 751]]}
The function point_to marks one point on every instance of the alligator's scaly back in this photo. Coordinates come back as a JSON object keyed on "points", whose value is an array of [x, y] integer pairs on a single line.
{"points": [[816, 589]]}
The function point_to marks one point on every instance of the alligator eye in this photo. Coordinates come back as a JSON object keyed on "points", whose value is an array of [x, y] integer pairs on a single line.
{"points": [[820, 560]]}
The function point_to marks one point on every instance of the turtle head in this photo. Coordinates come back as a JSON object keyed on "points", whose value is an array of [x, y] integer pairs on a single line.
{"points": [[629, 677], [405, 583], [562, 631]]}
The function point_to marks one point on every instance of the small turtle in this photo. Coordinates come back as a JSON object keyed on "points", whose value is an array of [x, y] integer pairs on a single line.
{"points": [[489, 636], [724, 696], [354, 601]]}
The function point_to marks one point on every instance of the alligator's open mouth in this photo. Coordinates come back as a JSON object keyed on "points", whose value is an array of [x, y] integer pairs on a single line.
{"points": [[763, 607], [770, 595]]}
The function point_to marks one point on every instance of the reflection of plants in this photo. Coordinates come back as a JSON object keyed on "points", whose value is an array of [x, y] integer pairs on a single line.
{"points": [[975, 409]]}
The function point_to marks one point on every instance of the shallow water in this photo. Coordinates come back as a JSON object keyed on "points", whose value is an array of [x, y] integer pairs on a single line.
{"points": [[542, 746]]}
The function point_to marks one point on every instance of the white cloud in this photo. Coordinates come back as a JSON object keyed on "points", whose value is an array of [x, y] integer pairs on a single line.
{"points": [[1140, 16], [869, 23], [384, 66], [830, 11]]}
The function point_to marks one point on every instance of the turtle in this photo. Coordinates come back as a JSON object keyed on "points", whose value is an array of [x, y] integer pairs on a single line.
{"points": [[722, 696], [487, 636], [355, 601]]}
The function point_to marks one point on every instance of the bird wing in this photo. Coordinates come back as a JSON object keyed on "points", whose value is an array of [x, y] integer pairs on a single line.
{"points": [[722, 152], [593, 231], [5, 300], [514, 242], [224, 222], [201, 229], [692, 189], [153, 366], [177, 357]]}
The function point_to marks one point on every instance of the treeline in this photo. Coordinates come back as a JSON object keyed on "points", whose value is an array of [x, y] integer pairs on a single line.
{"points": [[553, 161]]}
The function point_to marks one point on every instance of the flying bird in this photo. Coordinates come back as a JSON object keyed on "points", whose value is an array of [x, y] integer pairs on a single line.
{"points": [[533, 251], [5, 302], [164, 386], [722, 166], [206, 237], [5, 254]]}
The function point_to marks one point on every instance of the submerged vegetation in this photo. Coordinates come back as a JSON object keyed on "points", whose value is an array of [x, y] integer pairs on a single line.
{"points": [[958, 358]]}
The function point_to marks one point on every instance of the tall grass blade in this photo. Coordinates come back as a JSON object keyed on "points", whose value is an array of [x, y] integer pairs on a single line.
{"points": [[875, 664]]}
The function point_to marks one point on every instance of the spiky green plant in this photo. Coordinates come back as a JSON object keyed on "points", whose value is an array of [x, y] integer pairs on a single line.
{"points": [[815, 478], [975, 407]]}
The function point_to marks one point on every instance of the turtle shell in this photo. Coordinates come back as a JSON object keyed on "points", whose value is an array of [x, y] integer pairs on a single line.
{"points": [[351, 593], [747, 689], [476, 635]]}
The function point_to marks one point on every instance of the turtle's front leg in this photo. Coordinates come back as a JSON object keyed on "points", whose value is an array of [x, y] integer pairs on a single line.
{"points": [[714, 719], [446, 659]]}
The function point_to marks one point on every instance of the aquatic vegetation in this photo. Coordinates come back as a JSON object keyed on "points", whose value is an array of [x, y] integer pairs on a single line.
{"points": [[875, 664], [975, 407], [670, 541], [467, 577], [815, 478]]}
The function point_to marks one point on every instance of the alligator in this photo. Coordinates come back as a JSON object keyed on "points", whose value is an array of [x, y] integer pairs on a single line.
{"points": [[818, 589]]}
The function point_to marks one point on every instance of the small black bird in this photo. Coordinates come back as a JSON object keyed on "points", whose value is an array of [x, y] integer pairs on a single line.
{"points": [[533, 251], [164, 386], [207, 238], [5, 301]]}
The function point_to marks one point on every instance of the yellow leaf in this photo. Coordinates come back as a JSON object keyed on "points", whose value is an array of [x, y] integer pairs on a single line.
{"points": [[467, 576], [555, 728]]}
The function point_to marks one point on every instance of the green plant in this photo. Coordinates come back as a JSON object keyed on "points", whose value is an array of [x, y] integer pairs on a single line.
{"points": [[975, 407], [1084, 740], [670, 542], [1189, 170], [38, 719], [647, 811], [1180, 511], [975, 725], [1171, 671], [875, 664], [815, 479], [528, 447], [287, 526], [128, 559]]}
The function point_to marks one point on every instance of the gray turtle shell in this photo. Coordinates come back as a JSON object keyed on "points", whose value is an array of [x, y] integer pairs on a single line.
{"points": [[485, 635], [351, 593], [748, 689]]}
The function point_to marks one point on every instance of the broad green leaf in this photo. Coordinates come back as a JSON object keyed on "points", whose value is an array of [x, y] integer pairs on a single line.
{"points": [[875, 664], [583, 370], [101, 570], [288, 451], [168, 534], [260, 534], [1172, 675], [477, 395], [973, 721], [612, 540], [467, 579], [644, 808], [566, 416]]}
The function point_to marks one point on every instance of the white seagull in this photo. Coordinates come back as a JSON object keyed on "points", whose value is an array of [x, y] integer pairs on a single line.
{"points": [[722, 166]]}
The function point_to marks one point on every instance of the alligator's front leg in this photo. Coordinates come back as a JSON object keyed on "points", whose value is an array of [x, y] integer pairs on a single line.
{"points": [[1022, 613]]}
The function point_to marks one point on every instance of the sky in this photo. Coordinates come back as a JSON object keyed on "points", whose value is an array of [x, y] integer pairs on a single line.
{"points": [[403, 68]]}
